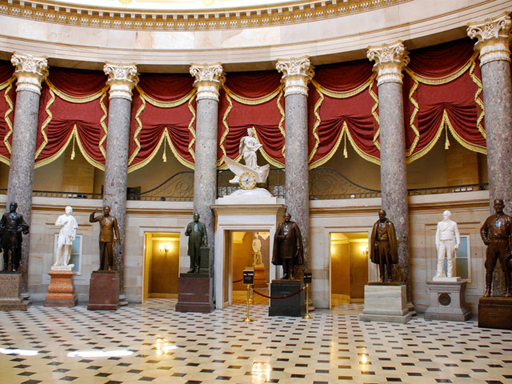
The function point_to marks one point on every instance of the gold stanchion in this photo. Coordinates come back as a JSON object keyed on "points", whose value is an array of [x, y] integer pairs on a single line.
{"points": [[248, 319], [307, 315]]}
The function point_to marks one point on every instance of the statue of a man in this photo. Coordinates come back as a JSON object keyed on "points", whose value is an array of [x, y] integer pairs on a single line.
{"points": [[248, 147], [68, 226], [197, 237], [497, 235], [288, 247], [108, 228], [384, 246], [12, 226], [447, 243], [256, 249]]}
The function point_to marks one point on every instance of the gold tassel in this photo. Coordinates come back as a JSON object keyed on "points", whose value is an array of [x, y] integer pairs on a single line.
{"points": [[447, 141], [345, 152], [73, 151], [164, 156]]}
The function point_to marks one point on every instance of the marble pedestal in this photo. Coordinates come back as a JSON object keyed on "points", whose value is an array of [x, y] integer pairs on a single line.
{"points": [[495, 312], [61, 291], [385, 302], [104, 291], [447, 301], [10, 292], [294, 306], [195, 293]]}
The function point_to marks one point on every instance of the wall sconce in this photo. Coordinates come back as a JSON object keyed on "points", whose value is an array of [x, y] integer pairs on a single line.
{"points": [[364, 251], [164, 248]]}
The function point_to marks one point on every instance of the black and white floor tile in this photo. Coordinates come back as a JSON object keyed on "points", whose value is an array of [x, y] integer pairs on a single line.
{"points": [[153, 343]]}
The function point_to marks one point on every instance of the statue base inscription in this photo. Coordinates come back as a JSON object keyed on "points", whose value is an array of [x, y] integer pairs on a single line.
{"points": [[447, 301], [294, 306], [10, 292], [495, 312], [195, 293], [104, 291], [61, 291], [385, 302]]}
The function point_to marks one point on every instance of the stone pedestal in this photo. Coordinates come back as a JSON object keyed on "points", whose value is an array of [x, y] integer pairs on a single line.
{"points": [[260, 280], [447, 301], [10, 292], [294, 306], [104, 290], [61, 291], [385, 302], [195, 293], [495, 312]]}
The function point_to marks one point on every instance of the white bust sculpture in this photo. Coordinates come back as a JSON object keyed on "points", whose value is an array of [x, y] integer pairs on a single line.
{"points": [[68, 226], [447, 243]]}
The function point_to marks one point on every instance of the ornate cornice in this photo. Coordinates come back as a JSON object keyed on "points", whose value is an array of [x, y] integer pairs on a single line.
{"points": [[297, 73], [493, 39], [134, 19], [122, 78], [390, 60], [30, 72], [209, 79]]}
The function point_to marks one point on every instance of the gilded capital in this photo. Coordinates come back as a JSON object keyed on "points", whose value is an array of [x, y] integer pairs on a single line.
{"points": [[209, 79], [493, 39], [122, 78], [30, 72], [390, 60], [297, 73]]}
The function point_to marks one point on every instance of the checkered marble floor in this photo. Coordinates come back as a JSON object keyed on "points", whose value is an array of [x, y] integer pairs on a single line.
{"points": [[154, 343]]}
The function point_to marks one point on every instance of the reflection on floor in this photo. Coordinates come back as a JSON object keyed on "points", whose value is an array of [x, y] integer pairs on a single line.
{"points": [[154, 343], [240, 297]]}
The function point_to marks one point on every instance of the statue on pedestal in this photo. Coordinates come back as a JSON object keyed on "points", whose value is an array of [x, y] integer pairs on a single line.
{"points": [[108, 228], [197, 237], [12, 226], [384, 246], [67, 234], [447, 243], [256, 250], [497, 235], [288, 247]]}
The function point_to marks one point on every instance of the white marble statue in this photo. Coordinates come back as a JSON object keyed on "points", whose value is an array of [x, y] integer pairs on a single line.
{"points": [[68, 226], [447, 243], [256, 249], [248, 147]]}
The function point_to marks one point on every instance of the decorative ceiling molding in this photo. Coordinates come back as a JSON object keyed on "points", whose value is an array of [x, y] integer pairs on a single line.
{"points": [[232, 18]]}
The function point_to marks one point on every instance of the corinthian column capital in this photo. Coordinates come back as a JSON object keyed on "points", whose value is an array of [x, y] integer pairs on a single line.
{"points": [[390, 60], [209, 79], [297, 73], [493, 39], [122, 78], [30, 72]]}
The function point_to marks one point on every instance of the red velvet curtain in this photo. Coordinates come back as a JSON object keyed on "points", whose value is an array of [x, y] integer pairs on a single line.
{"points": [[343, 107], [252, 99], [7, 102], [73, 109], [163, 112], [443, 93]]}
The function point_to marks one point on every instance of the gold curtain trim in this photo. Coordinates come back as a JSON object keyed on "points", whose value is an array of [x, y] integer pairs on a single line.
{"points": [[281, 124], [412, 118], [376, 118], [345, 94], [7, 83], [45, 123], [360, 152], [165, 104], [255, 101], [137, 131], [104, 126], [225, 134], [56, 155], [333, 150], [318, 104], [446, 79], [478, 100], [7, 113], [191, 129], [75, 99]]}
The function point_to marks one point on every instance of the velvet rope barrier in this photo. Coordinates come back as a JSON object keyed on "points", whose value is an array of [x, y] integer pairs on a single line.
{"points": [[279, 298]]}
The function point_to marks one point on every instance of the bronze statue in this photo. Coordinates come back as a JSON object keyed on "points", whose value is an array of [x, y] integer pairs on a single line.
{"points": [[497, 235], [108, 228], [197, 237], [384, 246], [12, 226], [288, 247]]}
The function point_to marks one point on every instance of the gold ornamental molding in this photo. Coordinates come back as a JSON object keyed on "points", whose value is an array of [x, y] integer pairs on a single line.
{"points": [[247, 17]]}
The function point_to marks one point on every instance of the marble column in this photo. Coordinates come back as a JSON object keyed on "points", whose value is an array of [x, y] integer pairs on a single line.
{"points": [[208, 81], [493, 44], [389, 62], [122, 78], [30, 72], [297, 73]]}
